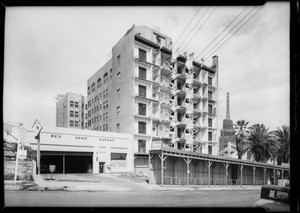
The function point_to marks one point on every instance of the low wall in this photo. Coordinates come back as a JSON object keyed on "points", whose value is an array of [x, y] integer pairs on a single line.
{"points": [[25, 169], [142, 170]]}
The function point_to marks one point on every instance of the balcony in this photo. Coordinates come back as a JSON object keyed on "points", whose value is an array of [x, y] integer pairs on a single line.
{"points": [[146, 41], [139, 97], [181, 59], [212, 112], [208, 69], [211, 99]]}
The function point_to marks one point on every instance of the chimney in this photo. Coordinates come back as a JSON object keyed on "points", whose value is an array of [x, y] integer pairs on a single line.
{"points": [[215, 62]]}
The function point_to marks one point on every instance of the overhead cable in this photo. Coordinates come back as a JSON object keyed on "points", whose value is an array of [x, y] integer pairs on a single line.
{"points": [[221, 33], [228, 33], [186, 26], [235, 32], [192, 30]]}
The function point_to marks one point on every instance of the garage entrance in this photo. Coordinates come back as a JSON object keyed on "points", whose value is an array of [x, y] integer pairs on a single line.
{"points": [[67, 162]]}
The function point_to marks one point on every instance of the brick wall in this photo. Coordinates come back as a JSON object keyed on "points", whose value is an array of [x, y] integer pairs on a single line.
{"points": [[24, 170]]}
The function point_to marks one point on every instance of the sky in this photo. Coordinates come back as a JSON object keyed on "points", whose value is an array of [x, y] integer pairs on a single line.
{"points": [[54, 50]]}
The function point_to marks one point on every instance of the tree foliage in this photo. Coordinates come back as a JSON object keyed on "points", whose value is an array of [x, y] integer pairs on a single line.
{"points": [[283, 138], [241, 133], [263, 145]]}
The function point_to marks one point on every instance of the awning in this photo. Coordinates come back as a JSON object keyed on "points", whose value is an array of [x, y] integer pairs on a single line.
{"points": [[67, 153]]}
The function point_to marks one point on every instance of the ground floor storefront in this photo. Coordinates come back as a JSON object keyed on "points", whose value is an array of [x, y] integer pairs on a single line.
{"points": [[83, 151], [175, 167]]}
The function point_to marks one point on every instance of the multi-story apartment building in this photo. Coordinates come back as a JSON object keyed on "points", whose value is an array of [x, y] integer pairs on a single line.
{"points": [[71, 111], [148, 91]]}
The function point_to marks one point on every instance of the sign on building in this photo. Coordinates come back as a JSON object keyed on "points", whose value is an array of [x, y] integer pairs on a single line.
{"points": [[22, 154], [156, 144]]}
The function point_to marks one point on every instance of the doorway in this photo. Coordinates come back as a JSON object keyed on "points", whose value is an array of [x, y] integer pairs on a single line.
{"points": [[101, 167], [234, 173]]}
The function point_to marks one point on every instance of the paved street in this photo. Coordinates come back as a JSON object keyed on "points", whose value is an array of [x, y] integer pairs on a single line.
{"points": [[214, 198]]}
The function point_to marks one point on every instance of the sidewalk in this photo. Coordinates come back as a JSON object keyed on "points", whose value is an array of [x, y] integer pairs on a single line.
{"points": [[82, 183]]}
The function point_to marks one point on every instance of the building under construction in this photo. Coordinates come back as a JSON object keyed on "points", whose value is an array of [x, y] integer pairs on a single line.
{"points": [[155, 93]]}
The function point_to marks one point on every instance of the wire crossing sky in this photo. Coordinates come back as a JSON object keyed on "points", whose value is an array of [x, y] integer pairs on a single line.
{"points": [[54, 50]]}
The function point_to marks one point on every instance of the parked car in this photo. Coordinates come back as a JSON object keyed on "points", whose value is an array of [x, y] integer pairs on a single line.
{"points": [[274, 198]]}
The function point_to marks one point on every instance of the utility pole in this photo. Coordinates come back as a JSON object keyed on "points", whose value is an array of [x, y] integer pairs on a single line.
{"points": [[37, 127], [17, 156]]}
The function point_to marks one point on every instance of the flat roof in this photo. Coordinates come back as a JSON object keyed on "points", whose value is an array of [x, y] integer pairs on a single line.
{"points": [[215, 158]]}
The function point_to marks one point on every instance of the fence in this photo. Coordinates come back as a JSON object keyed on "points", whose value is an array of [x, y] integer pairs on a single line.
{"points": [[183, 181]]}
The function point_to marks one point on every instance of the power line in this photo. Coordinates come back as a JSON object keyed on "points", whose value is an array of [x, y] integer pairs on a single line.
{"points": [[228, 33], [192, 29], [220, 33], [186, 26], [236, 31], [199, 28]]}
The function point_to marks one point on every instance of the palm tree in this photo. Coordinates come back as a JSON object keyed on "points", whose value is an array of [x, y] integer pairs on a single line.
{"points": [[283, 138], [263, 145], [241, 132]]}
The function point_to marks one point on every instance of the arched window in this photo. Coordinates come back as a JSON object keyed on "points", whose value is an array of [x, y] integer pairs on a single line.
{"points": [[93, 87], [105, 76], [89, 88], [99, 82]]}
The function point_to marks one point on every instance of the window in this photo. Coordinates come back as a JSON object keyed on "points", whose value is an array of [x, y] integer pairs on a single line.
{"points": [[118, 156], [93, 87], [142, 109], [100, 128], [210, 81], [71, 123], [142, 127], [76, 123], [210, 150], [71, 113], [86, 107], [209, 136], [209, 122], [107, 116], [118, 77], [210, 108], [105, 76], [100, 106], [142, 72], [104, 117], [99, 82], [100, 117], [110, 74], [76, 104], [142, 91], [118, 111], [71, 103], [118, 61], [100, 96], [142, 55], [76, 114], [104, 128], [210, 94], [118, 94], [142, 146], [118, 127], [85, 125], [106, 104]]}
